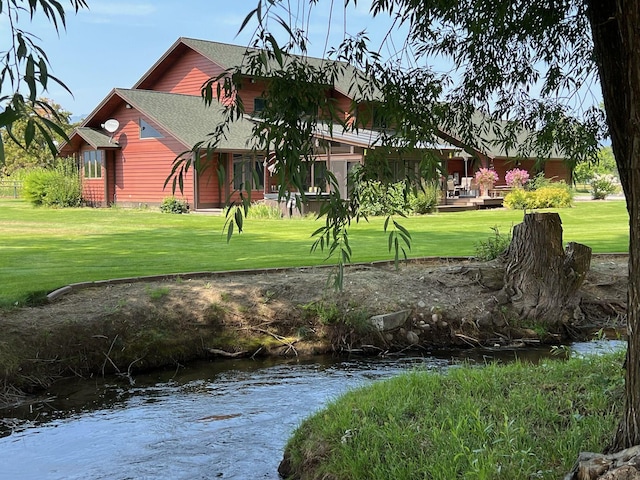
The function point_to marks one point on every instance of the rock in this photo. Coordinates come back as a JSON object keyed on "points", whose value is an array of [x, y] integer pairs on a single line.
{"points": [[502, 298], [413, 338], [492, 278], [389, 321], [421, 304], [443, 324], [435, 318], [485, 319], [499, 321]]}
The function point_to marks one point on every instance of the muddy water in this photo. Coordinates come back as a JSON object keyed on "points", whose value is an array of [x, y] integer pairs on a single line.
{"points": [[224, 419]]}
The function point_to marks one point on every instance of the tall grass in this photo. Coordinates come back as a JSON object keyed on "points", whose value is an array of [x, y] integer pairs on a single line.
{"points": [[507, 422], [43, 249]]}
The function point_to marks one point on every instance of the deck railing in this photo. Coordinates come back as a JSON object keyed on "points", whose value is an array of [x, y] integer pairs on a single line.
{"points": [[10, 188]]}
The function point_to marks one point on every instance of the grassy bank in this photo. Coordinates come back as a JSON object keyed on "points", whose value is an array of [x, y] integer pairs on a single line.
{"points": [[43, 249], [498, 422]]}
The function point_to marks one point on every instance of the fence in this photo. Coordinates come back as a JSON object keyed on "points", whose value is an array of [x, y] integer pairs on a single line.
{"points": [[10, 188]]}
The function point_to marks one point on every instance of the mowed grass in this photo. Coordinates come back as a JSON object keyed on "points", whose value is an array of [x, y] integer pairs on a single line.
{"points": [[43, 249]]}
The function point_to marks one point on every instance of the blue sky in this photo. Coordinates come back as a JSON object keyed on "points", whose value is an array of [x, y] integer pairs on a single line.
{"points": [[115, 42]]}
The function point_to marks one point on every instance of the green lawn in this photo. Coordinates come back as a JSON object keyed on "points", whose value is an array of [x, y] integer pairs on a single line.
{"points": [[42, 249]]}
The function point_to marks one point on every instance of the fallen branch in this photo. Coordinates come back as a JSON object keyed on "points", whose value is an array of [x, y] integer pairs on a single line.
{"points": [[473, 342], [107, 358], [279, 338], [222, 353]]}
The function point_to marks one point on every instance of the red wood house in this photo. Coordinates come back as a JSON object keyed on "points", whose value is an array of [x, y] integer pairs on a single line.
{"points": [[163, 115]]}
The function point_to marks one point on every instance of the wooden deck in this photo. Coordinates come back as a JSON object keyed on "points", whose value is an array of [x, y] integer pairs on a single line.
{"points": [[461, 204]]}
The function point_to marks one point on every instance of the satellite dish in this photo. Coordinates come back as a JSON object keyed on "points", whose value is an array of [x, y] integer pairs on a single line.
{"points": [[111, 125]]}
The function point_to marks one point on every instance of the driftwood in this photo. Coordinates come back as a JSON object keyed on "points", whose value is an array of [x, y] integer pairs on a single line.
{"points": [[222, 353]]}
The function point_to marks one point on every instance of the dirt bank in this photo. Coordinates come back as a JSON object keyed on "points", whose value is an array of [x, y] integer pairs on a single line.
{"points": [[126, 327]]}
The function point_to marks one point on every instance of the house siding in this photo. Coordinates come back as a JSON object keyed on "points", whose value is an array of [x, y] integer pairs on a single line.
{"points": [[143, 165], [210, 195], [557, 170], [503, 165], [187, 75]]}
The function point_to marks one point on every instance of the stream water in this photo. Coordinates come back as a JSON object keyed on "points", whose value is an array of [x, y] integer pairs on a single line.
{"points": [[221, 419]]}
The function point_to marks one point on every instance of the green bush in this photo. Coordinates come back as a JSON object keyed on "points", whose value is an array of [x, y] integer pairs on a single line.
{"points": [[539, 181], [517, 199], [60, 186], [555, 195], [495, 245], [174, 205], [602, 186], [262, 210], [426, 200], [377, 198]]}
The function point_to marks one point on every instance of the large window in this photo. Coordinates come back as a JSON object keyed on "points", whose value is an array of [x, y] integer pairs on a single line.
{"points": [[92, 163], [147, 131], [248, 172], [316, 177]]}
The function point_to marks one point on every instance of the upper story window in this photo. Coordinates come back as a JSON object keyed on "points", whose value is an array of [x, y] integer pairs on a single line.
{"points": [[92, 163], [147, 131], [259, 104]]}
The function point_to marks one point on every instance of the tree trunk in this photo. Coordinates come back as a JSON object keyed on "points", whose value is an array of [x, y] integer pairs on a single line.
{"points": [[541, 278], [616, 39]]}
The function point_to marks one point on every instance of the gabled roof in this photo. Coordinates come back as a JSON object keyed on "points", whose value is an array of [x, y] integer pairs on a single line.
{"points": [[229, 56], [95, 138], [187, 118], [184, 117]]}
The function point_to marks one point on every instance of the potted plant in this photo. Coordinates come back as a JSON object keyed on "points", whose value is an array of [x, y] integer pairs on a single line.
{"points": [[485, 178], [516, 178]]}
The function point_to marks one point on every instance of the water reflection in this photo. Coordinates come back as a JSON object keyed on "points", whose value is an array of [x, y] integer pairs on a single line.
{"points": [[223, 419]]}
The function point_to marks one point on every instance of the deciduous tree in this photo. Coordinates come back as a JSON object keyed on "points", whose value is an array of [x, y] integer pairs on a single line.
{"points": [[24, 73], [518, 66], [38, 153]]}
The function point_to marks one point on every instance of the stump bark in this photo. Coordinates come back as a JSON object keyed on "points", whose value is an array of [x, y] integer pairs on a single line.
{"points": [[541, 278]]}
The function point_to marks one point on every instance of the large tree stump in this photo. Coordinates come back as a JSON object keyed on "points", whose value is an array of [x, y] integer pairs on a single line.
{"points": [[542, 278]]}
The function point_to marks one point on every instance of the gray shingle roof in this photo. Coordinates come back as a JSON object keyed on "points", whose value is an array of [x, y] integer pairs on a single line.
{"points": [[232, 56], [187, 117], [95, 138]]}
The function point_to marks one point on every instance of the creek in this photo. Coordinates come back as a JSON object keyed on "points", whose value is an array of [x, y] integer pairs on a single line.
{"points": [[226, 419]]}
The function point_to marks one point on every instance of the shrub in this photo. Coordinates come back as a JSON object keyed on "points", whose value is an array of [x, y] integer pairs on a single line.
{"points": [[426, 199], [555, 195], [538, 182], [602, 186], [174, 205], [517, 199], [495, 245], [60, 186], [262, 210], [377, 198]]}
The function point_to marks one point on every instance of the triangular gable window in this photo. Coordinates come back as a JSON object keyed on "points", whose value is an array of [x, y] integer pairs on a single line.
{"points": [[147, 131]]}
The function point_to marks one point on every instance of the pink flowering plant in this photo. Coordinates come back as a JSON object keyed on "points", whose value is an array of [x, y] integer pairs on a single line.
{"points": [[486, 177], [516, 178]]}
